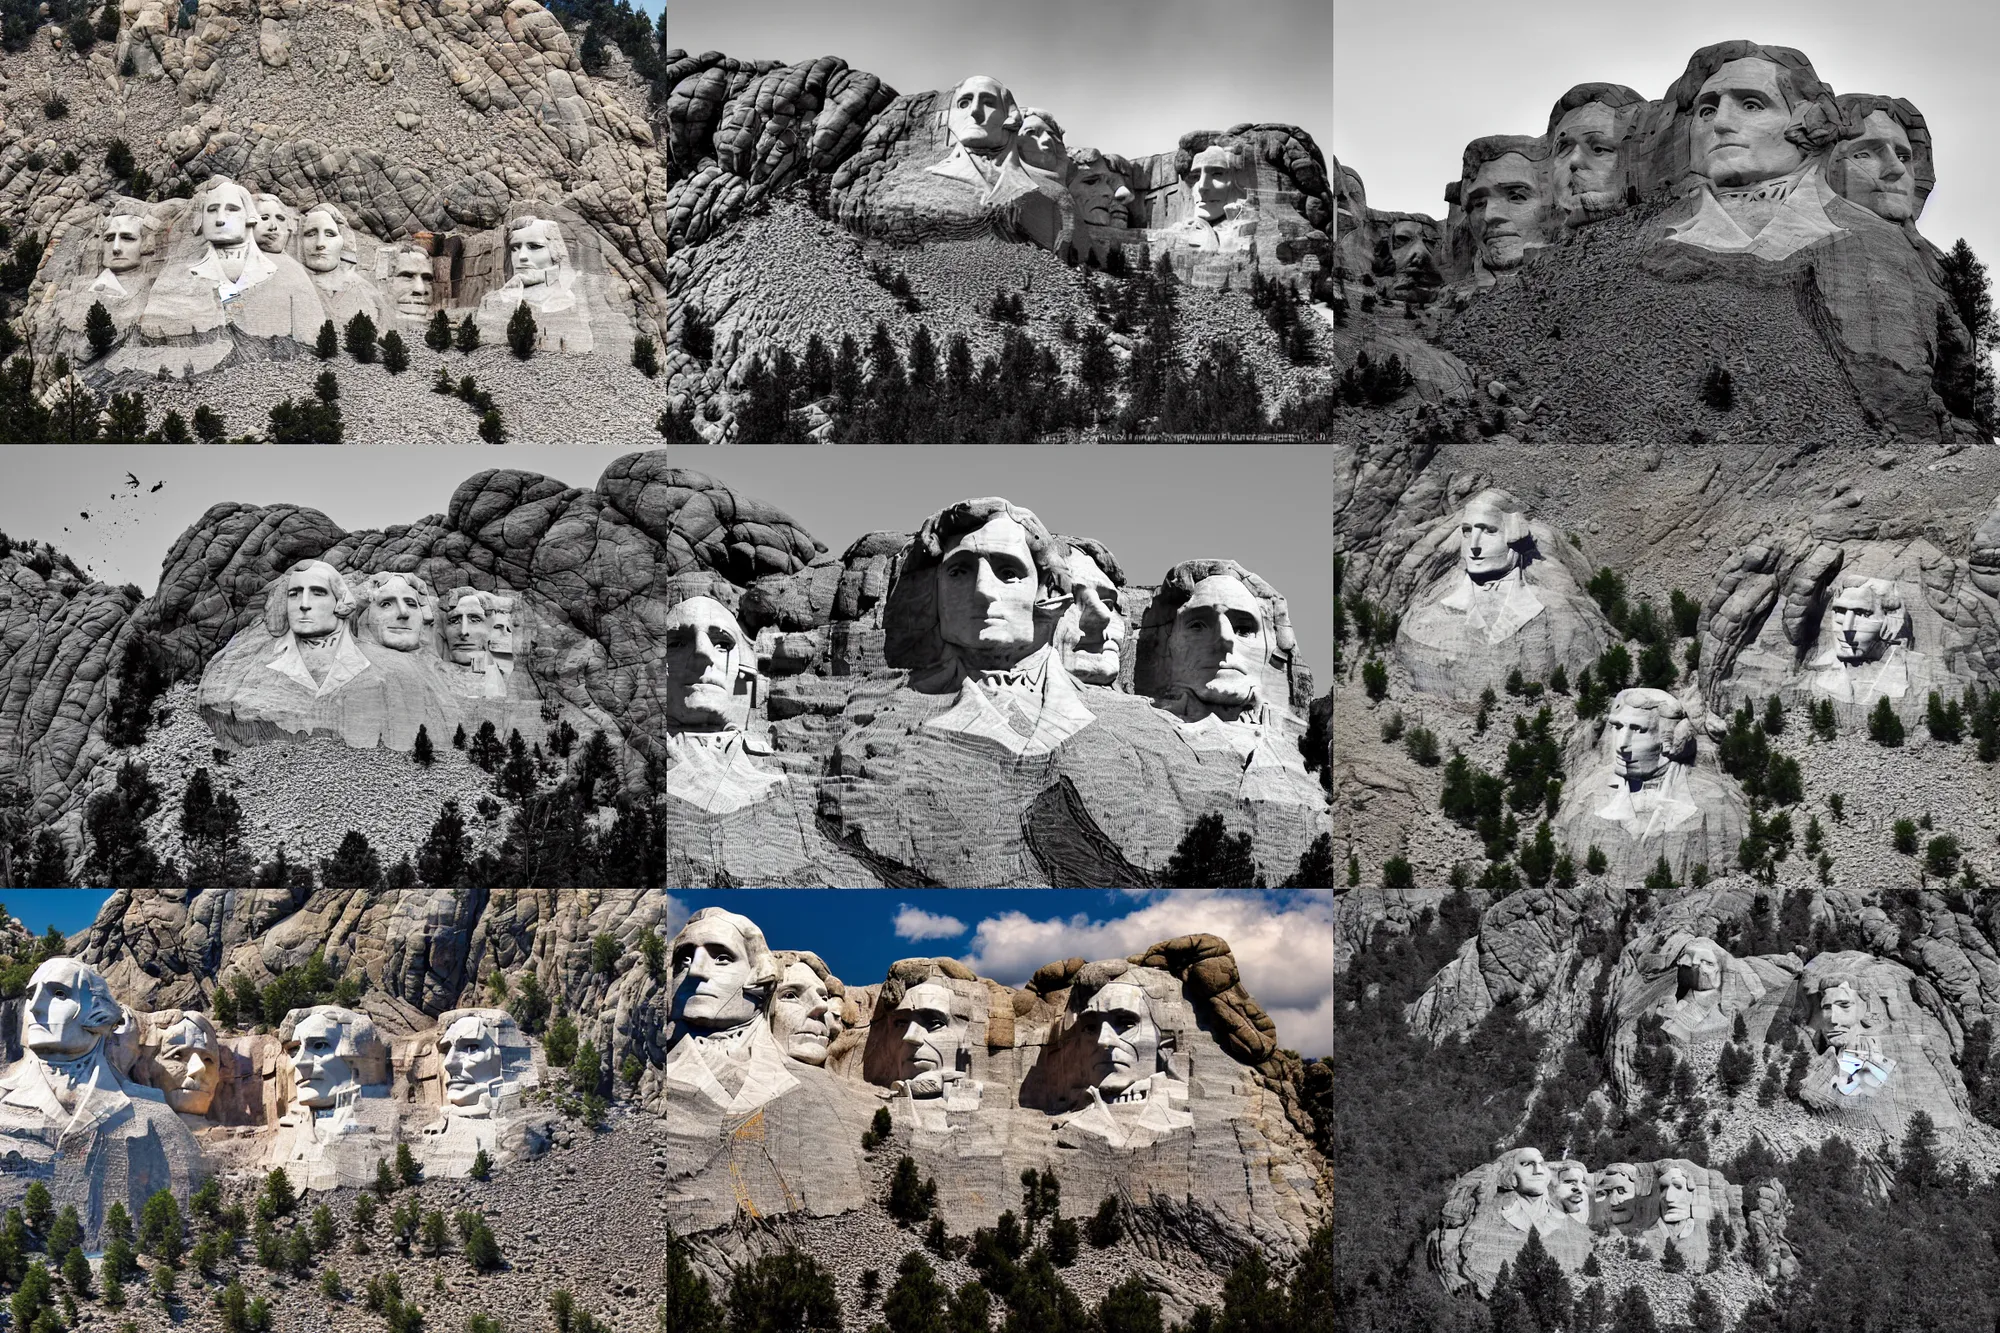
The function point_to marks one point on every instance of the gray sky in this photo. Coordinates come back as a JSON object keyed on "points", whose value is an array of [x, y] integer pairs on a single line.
{"points": [[1266, 506], [1122, 76], [1413, 86]]}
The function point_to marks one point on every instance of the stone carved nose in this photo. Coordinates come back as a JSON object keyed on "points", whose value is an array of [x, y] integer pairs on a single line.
{"points": [[1107, 1036]]}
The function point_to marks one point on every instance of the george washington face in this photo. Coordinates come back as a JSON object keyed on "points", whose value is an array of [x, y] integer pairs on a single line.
{"points": [[1740, 118]]}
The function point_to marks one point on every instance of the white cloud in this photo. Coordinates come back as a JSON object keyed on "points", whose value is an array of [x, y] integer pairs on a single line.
{"points": [[914, 923], [1283, 945]]}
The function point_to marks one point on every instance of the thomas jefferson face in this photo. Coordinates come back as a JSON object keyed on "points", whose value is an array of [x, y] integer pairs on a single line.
{"points": [[1218, 641], [804, 1018], [1503, 208], [1676, 1196], [531, 254], [58, 1006], [467, 632], [227, 217], [931, 1037], [1410, 250], [1101, 195], [1128, 1040], [1586, 158], [980, 108], [986, 593], [310, 600], [1878, 172], [713, 977], [190, 1067], [124, 242], [706, 654], [1739, 126], [1571, 1190], [410, 283], [322, 242], [1618, 1192], [275, 224], [1092, 630], [1638, 750], [395, 615], [1483, 551], [1857, 625], [1042, 146], [1700, 966], [320, 1071], [1214, 184], [1530, 1178], [1839, 1016], [471, 1062]]}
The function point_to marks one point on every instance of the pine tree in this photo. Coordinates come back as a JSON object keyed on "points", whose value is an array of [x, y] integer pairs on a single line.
{"points": [[208, 425], [521, 331], [327, 345], [354, 865], [847, 372], [1210, 857], [98, 328], [360, 338], [421, 752], [446, 851], [467, 337], [592, 54], [437, 336], [646, 355]]}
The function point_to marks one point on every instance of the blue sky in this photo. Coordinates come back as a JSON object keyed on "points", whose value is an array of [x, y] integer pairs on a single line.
{"points": [[68, 910]]}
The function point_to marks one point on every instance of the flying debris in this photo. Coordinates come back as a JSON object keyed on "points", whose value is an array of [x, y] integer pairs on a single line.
{"points": [[83, 513], [156, 486], [131, 480]]}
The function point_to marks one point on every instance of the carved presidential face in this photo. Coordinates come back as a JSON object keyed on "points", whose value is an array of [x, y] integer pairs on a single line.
{"points": [[1503, 208], [1877, 172], [1412, 251], [1214, 183], [1839, 1015], [227, 217], [1218, 641], [1858, 625], [1042, 145], [320, 1072], [531, 253], [1699, 966], [980, 110], [275, 224], [1740, 119], [1092, 630], [1638, 751], [124, 242], [467, 631], [322, 242], [500, 632], [1530, 1176], [59, 1011], [1102, 198], [1571, 1190], [804, 1018], [713, 977], [190, 1067], [706, 653], [1618, 1192], [310, 597], [1586, 159], [931, 1036], [471, 1060], [1676, 1196], [410, 282], [986, 592], [1127, 1039], [1483, 549], [394, 615]]}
